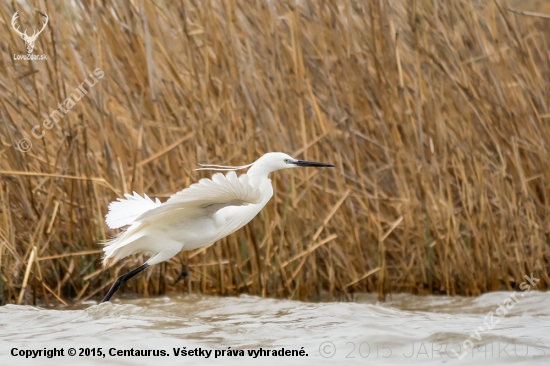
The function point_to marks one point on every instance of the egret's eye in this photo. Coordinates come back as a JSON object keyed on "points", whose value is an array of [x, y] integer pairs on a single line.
{"points": [[287, 161]]}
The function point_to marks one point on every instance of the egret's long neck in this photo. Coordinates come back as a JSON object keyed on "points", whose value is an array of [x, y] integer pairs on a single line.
{"points": [[259, 171]]}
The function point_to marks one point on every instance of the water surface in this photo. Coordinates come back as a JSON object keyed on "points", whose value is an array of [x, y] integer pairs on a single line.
{"points": [[405, 330]]}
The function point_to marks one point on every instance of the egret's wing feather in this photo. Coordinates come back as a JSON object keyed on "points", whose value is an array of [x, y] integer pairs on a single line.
{"points": [[207, 196], [123, 212]]}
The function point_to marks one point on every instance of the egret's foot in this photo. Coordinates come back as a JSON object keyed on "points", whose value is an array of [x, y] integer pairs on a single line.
{"points": [[119, 281], [182, 275]]}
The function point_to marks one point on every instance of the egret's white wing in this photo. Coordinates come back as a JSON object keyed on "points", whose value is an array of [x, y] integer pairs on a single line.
{"points": [[123, 212], [207, 196]]}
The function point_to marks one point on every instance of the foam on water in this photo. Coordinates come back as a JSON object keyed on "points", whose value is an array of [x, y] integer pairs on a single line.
{"points": [[407, 329]]}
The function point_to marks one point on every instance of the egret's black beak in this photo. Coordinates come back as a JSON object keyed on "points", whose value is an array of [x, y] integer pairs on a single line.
{"points": [[311, 163]]}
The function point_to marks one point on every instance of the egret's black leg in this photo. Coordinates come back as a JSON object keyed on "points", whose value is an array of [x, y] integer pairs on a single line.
{"points": [[182, 275], [119, 281]]}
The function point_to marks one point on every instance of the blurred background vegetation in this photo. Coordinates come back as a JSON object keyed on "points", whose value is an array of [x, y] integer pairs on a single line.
{"points": [[435, 113]]}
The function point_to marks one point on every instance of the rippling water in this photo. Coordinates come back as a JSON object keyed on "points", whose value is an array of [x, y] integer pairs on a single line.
{"points": [[406, 330]]}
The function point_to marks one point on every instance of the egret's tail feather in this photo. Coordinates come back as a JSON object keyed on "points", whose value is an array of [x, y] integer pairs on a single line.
{"points": [[119, 246], [137, 239], [123, 212], [109, 247]]}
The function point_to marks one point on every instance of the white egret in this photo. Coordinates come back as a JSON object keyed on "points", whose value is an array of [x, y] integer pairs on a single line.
{"points": [[194, 217]]}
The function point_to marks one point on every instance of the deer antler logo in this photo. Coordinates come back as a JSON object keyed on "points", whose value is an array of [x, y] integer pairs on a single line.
{"points": [[29, 40]]}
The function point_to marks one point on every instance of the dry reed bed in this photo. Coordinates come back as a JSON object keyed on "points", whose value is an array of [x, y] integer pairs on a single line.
{"points": [[436, 117]]}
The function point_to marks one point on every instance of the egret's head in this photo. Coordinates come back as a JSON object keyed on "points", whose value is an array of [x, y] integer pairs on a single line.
{"points": [[266, 164], [276, 160]]}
